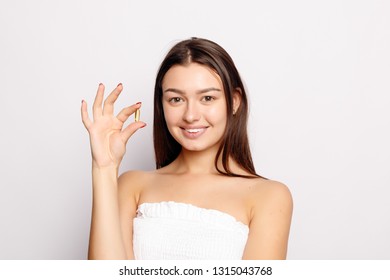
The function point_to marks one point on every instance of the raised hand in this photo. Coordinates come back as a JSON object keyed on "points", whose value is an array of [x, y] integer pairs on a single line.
{"points": [[107, 136]]}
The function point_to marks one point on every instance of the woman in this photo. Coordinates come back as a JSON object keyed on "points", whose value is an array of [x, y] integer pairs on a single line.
{"points": [[204, 200]]}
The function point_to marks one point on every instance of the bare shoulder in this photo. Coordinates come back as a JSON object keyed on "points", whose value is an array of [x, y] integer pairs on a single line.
{"points": [[134, 176], [270, 219], [269, 193], [132, 182]]}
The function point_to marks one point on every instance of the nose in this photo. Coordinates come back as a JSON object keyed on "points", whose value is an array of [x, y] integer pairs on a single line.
{"points": [[192, 112]]}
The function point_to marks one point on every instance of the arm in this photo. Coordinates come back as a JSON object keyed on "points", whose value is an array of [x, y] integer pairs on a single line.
{"points": [[270, 222], [105, 240], [108, 144]]}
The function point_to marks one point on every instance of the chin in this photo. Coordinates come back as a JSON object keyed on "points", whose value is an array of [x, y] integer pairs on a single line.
{"points": [[193, 148], [198, 147]]}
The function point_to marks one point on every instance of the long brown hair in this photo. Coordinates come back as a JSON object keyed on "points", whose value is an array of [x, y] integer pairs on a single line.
{"points": [[235, 142]]}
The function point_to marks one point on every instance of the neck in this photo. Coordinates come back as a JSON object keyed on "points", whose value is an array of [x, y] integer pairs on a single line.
{"points": [[194, 162]]}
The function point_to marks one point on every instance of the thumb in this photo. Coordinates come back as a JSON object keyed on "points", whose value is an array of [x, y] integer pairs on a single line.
{"points": [[131, 129]]}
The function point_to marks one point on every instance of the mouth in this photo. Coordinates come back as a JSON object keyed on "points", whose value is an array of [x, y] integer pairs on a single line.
{"points": [[193, 133]]}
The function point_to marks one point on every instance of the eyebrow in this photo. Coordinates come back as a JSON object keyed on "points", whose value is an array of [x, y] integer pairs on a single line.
{"points": [[175, 90]]}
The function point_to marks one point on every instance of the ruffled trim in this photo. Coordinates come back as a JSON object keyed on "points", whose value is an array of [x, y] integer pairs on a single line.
{"points": [[185, 211]]}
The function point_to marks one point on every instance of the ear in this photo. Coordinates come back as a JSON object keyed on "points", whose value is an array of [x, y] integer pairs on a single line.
{"points": [[236, 100]]}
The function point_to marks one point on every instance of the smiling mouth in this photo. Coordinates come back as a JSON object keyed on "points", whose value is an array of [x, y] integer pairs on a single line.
{"points": [[193, 132]]}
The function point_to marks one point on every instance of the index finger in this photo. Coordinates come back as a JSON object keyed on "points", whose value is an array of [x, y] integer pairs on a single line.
{"points": [[128, 111]]}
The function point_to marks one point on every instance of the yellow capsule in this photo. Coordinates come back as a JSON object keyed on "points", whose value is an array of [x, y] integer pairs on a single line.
{"points": [[137, 114]]}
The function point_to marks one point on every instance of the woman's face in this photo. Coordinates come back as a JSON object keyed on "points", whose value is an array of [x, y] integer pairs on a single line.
{"points": [[194, 106]]}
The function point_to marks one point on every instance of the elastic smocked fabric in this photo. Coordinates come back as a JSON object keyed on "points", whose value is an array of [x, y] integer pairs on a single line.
{"points": [[172, 230]]}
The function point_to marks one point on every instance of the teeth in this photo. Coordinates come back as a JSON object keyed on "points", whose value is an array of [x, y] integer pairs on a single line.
{"points": [[193, 130]]}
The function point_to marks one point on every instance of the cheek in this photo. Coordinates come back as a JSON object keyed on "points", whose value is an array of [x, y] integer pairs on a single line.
{"points": [[171, 115], [217, 115]]}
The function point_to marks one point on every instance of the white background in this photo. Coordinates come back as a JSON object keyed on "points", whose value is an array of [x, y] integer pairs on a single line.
{"points": [[318, 79]]}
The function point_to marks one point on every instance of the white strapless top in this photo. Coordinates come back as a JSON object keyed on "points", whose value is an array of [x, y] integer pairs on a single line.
{"points": [[173, 231]]}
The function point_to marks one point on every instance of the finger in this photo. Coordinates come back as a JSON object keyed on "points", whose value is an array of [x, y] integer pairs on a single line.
{"points": [[130, 130], [127, 112], [84, 115], [108, 108], [97, 104]]}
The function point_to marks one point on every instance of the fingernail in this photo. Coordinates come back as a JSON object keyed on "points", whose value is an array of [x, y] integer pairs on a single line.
{"points": [[119, 84], [138, 103], [143, 125], [100, 84]]}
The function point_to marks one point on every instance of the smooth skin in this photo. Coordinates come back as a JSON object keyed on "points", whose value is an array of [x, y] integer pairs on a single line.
{"points": [[108, 140], [193, 100]]}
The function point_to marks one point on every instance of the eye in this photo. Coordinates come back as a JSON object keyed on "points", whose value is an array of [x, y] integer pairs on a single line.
{"points": [[174, 100], [208, 98]]}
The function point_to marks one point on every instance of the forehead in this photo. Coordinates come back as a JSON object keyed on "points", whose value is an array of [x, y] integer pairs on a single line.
{"points": [[191, 77]]}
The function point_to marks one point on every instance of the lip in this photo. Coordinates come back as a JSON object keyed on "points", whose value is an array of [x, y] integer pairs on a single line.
{"points": [[193, 132]]}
